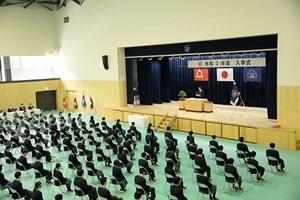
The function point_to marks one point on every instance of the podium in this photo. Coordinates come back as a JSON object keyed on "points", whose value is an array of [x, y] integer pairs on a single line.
{"points": [[193, 104]]}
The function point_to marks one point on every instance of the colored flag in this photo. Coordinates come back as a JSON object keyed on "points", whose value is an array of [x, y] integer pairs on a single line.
{"points": [[225, 74], [83, 102], [234, 97], [75, 103], [252, 74], [200, 74], [92, 103], [65, 106]]}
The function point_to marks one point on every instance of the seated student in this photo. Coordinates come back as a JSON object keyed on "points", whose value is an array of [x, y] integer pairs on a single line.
{"points": [[222, 155], [169, 135], [192, 148], [69, 119], [117, 173], [231, 169], [23, 160], [22, 107], [104, 192], [73, 123], [3, 181], [73, 159], [80, 182], [28, 145], [153, 140], [261, 170], [119, 127], [30, 106], [36, 193], [141, 181], [176, 190], [98, 130], [190, 138], [54, 140], [169, 169], [90, 164], [91, 137], [9, 155], [115, 133], [132, 139], [104, 125], [137, 133], [10, 109], [127, 146], [171, 155], [274, 153], [201, 162], [81, 146], [214, 143], [38, 136], [58, 197], [58, 174], [137, 196], [111, 143], [204, 180], [15, 140], [92, 122], [17, 185], [67, 142], [150, 150], [79, 120], [42, 151], [123, 158], [3, 140], [38, 165], [150, 130], [242, 146], [101, 153], [143, 162]]}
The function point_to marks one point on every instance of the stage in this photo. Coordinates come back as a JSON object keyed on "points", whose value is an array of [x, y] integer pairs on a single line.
{"points": [[225, 121], [226, 114]]}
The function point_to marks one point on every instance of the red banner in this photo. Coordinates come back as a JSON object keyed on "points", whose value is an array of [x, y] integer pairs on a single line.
{"points": [[200, 74]]}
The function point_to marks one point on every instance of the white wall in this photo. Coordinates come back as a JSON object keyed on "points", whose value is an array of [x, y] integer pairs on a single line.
{"points": [[100, 27], [27, 32]]}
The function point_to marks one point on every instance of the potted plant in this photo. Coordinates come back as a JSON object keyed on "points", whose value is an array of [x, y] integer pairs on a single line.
{"points": [[181, 95]]}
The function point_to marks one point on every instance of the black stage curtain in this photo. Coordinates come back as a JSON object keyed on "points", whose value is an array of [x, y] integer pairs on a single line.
{"points": [[129, 81], [145, 82]]}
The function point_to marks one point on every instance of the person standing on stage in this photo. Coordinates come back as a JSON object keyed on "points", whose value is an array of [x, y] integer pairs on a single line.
{"points": [[199, 93]]}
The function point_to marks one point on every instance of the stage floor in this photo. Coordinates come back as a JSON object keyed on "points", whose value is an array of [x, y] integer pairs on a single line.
{"points": [[237, 115]]}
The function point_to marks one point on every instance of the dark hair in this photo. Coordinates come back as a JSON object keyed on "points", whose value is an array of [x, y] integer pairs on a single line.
{"points": [[103, 180], [176, 180], [199, 151], [137, 195], [191, 133], [142, 170], [37, 185], [98, 144], [38, 156], [89, 157], [17, 174], [116, 162], [143, 154], [252, 154], [79, 172], [220, 147], [74, 150], [1, 166], [24, 151], [272, 145], [58, 197], [132, 123], [241, 139], [170, 164], [168, 128], [201, 170], [213, 136], [103, 118], [230, 161], [58, 165]]}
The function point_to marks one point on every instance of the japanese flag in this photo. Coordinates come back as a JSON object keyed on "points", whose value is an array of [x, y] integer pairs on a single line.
{"points": [[225, 74]]}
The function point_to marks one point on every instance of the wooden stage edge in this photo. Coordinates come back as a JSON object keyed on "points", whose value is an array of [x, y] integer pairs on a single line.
{"points": [[225, 121]]}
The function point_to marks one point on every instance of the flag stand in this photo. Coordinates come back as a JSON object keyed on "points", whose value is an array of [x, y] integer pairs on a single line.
{"points": [[242, 101]]}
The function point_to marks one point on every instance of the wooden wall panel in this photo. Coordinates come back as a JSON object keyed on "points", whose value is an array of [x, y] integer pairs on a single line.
{"points": [[230, 131], [137, 114], [198, 127], [125, 116], [213, 129], [108, 113], [184, 124], [118, 115], [249, 134]]}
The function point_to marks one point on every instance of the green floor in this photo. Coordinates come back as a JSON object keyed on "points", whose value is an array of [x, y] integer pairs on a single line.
{"points": [[275, 187]]}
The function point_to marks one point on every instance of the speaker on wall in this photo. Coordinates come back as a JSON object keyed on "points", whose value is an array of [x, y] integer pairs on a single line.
{"points": [[105, 61]]}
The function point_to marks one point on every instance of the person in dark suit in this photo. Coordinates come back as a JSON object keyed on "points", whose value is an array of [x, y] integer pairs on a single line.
{"points": [[45, 153], [28, 145], [231, 169], [98, 130], [36, 193], [58, 174], [3, 181], [91, 137], [111, 143], [153, 140], [74, 124], [141, 181], [169, 135], [123, 158], [222, 155], [10, 109], [23, 160], [137, 196], [176, 190], [261, 170], [92, 122], [67, 142], [104, 125], [137, 133], [169, 169], [171, 155], [15, 140], [117, 173], [119, 127], [199, 93], [214, 143], [274, 153], [104, 192], [132, 139], [54, 140], [58, 197], [81, 146], [100, 152], [9, 155], [17, 185], [80, 182], [143, 162], [115, 132], [201, 162], [150, 130], [38, 165], [73, 159], [190, 138], [204, 180], [90, 164], [22, 107], [150, 150], [30, 106], [192, 149], [127, 145], [242, 147]]}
